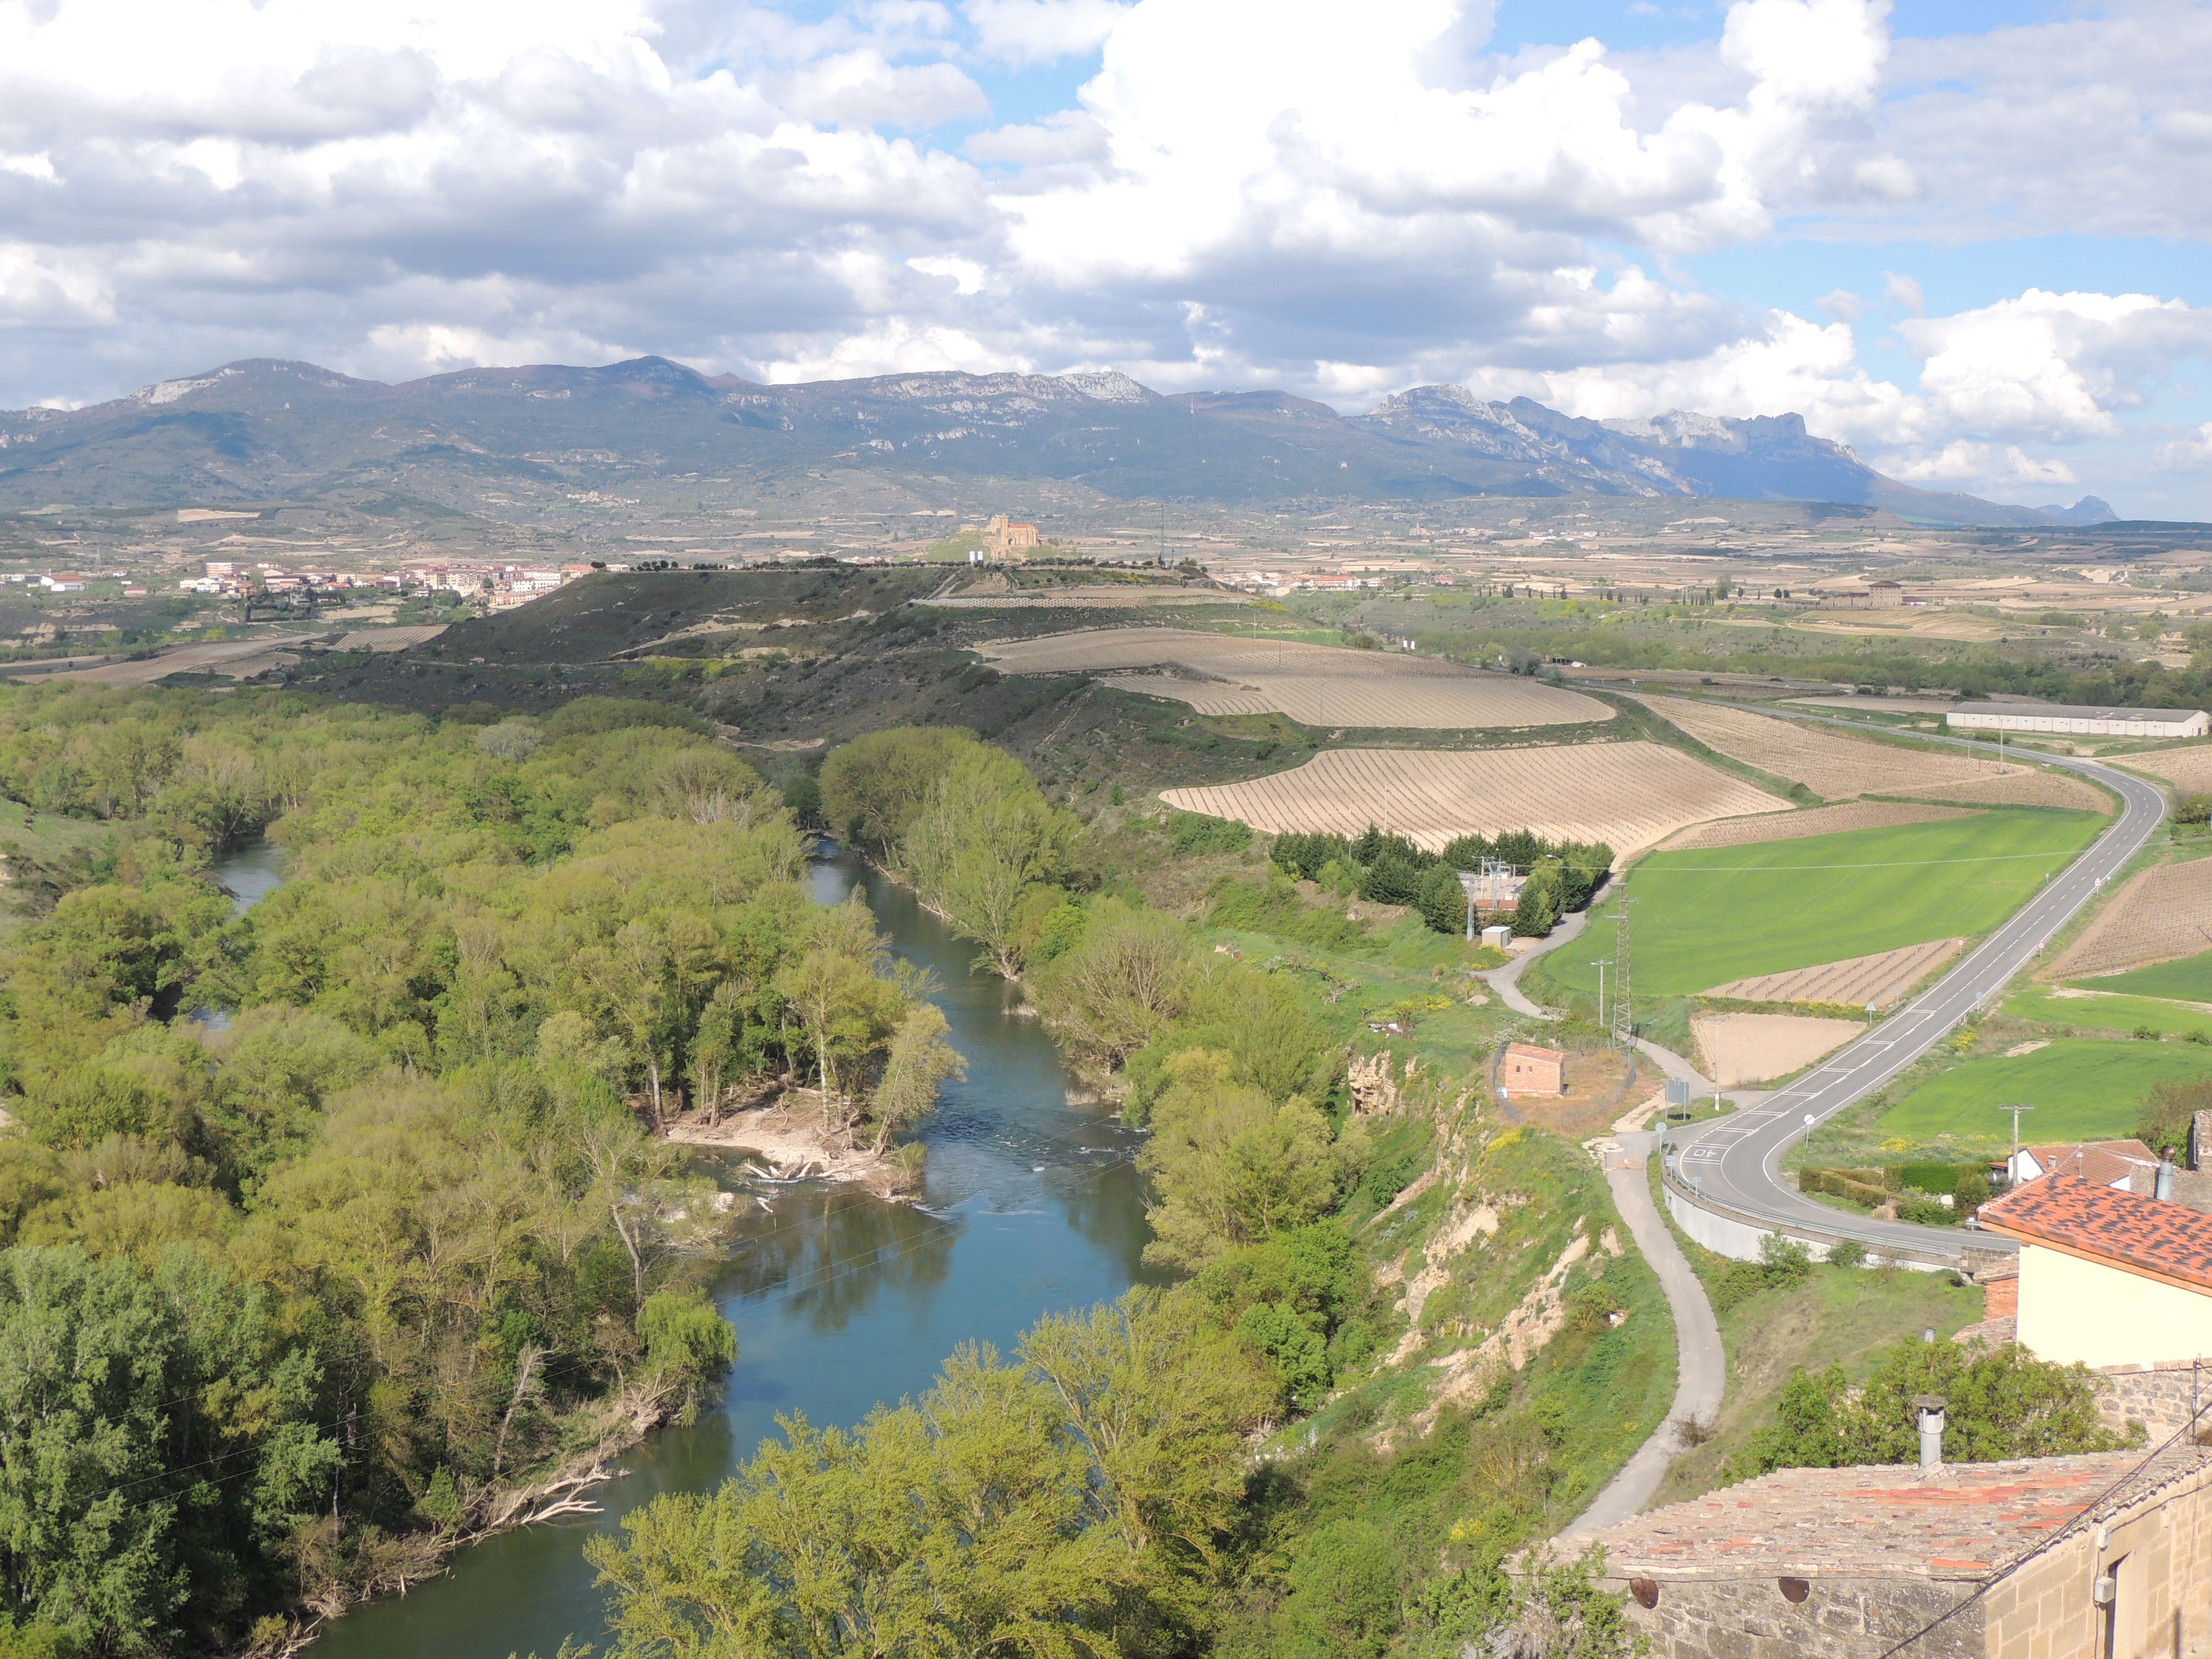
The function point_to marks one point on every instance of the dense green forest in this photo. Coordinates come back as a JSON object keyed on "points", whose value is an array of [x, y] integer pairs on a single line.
{"points": [[294, 1299]]}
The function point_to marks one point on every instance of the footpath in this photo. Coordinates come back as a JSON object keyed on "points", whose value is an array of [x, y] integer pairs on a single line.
{"points": [[1701, 1362]]}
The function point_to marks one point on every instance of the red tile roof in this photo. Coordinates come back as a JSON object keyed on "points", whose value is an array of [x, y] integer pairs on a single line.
{"points": [[2141, 1235], [1962, 1522], [2106, 1162]]}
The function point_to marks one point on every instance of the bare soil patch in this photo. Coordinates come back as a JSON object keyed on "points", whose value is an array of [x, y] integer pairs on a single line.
{"points": [[1813, 821], [2159, 915], [2035, 787], [1320, 685], [1627, 795], [1748, 1049], [1883, 978], [2187, 770], [1834, 764]]}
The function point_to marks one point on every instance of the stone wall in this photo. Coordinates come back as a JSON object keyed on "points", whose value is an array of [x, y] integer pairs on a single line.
{"points": [[2162, 1398], [1840, 1619]]}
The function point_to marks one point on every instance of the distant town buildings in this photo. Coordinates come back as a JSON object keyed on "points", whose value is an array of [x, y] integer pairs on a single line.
{"points": [[502, 586]]}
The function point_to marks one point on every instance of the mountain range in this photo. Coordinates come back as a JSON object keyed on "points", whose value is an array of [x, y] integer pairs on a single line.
{"points": [[264, 429]]}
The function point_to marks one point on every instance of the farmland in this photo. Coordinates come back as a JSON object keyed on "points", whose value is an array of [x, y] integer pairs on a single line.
{"points": [[1839, 766], [2081, 1090], [2188, 769], [1813, 821], [1627, 795], [1317, 685], [1746, 1049], [2160, 914], [1705, 918], [2188, 979], [1886, 976], [2066, 1005]]}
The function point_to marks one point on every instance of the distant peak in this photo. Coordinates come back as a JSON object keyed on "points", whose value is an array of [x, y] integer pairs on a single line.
{"points": [[1107, 386]]}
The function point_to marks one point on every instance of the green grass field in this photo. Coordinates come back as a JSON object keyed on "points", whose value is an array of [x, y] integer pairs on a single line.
{"points": [[2081, 1090], [1705, 918], [2188, 979], [2108, 1014]]}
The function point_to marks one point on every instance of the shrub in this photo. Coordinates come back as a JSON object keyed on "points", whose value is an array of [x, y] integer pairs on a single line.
{"points": [[2193, 809], [1196, 832], [1849, 1253], [1591, 1308]]}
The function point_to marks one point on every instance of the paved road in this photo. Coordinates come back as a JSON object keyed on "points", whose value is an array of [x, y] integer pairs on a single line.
{"points": [[1701, 1363], [1736, 1160]]}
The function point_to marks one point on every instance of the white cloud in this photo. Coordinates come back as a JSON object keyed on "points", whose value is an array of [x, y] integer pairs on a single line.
{"points": [[2191, 454], [1963, 461], [1339, 200], [1024, 32]]}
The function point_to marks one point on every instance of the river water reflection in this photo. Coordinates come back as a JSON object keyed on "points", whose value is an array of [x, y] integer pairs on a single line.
{"points": [[840, 1302]]}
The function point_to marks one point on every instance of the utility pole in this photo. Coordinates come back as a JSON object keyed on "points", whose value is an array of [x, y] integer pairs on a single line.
{"points": [[1600, 966], [2012, 1168], [1624, 1015]]}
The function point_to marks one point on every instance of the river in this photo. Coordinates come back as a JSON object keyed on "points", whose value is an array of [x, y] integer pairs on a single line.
{"points": [[841, 1301]]}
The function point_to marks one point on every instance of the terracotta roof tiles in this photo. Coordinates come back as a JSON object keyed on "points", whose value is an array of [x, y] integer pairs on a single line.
{"points": [[2143, 1235], [1961, 1522]]}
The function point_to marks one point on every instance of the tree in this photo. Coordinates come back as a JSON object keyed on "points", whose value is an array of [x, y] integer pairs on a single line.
{"points": [[981, 839], [2003, 1403], [1229, 1166], [921, 1060], [1442, 901], [872, 787], [1122, 983]]}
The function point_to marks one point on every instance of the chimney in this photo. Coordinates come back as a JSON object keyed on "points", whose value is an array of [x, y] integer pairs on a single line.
{"points": [[1931, 1408], [2164, 1175]]}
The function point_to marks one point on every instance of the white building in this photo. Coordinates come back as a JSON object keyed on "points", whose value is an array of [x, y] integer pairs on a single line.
{"points": [[2079, 720]]}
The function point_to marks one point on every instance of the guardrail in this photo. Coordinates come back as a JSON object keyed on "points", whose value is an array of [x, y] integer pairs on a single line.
{"points": [[1964, 1257]]}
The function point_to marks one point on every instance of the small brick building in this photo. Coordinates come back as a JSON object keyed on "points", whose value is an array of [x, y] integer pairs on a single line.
{"points": [[1526, 1069], [2046, 1558]]}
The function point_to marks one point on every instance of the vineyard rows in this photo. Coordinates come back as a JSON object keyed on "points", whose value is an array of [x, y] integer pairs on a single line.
{"points": [[2161, 915], [1319, 685], [1627, 795], [1838, 766]]}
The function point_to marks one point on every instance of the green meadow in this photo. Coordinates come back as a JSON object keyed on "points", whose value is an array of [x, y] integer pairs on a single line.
{"points": [[2081, 1090], [1703, 918], [2102, 1012], [2190, 979]]}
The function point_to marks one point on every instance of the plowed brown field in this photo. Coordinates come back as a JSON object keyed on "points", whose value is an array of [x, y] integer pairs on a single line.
{"points": [[1759, 1048], [2159, 915], [2035, 787], [1886, 976], [1814, 821], [1321, 685], [1627, 795], [2187, 770], [1840, 766]]}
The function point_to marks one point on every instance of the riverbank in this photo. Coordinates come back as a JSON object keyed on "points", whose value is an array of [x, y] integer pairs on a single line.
{"points": [[791, 1139]]}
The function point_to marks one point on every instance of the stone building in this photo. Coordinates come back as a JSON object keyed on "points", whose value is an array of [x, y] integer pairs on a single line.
{"points": [[1526, 1069], [2108, 1555], [1005, 540]]}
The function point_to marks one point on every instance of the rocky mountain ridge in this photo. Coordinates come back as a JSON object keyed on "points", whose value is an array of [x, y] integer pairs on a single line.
{"points": [[264, 429]]}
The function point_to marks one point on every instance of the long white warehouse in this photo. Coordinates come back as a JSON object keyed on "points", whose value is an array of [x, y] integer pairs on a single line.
{"points": [[2080, 720]]}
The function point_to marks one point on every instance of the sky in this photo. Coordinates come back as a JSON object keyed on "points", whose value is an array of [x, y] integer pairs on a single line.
{"points": [[1968, 240]]}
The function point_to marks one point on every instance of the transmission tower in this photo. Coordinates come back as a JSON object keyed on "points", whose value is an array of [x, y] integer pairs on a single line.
{"points": [[1624, 1018]]}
